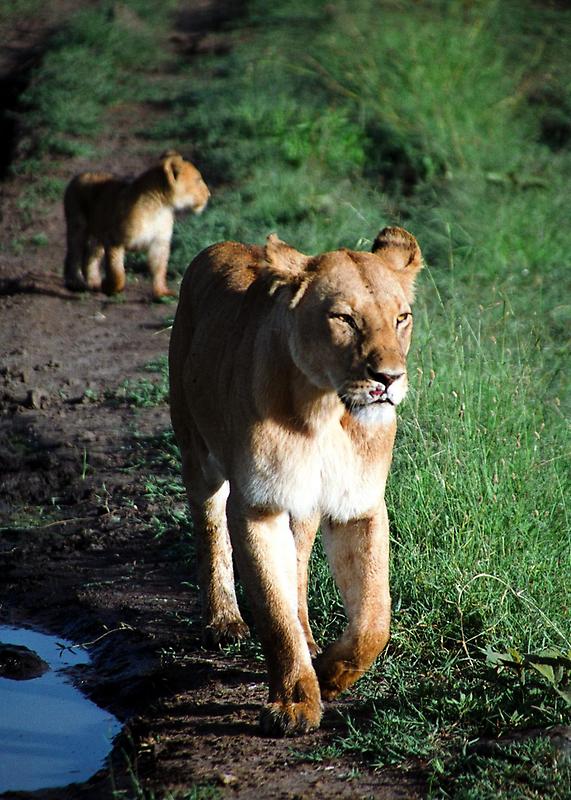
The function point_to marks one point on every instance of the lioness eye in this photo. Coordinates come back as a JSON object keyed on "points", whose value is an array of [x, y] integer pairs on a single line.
{"points": [[346, 318], [403, 317]]}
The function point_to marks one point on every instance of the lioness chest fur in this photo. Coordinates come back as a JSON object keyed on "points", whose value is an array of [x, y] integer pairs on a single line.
{"points": [[106, 215], [285, 373]]}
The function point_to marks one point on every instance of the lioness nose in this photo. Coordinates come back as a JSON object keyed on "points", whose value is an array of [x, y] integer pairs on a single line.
{"points": [[386, 378]]}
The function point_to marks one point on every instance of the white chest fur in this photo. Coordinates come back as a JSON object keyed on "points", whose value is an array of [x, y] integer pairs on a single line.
{"points": [[154, 225], [326, 473]]}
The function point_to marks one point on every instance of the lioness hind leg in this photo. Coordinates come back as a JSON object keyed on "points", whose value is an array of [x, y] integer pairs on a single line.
{"points": [[207, 494], [358, 554], [223, 622], [304, 532], [265, 552], [114, 280]]}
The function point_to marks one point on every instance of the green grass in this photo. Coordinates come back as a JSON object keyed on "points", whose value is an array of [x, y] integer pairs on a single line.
{"points": [[103, 56], [144, 392], [527, 769], [324, 123]]}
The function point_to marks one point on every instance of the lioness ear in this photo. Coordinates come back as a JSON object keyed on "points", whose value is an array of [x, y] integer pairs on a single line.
{"points": [[285, 266], [400, 251]]}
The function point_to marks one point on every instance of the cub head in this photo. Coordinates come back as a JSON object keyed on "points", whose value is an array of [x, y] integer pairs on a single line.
{"points": [[187, 187], [350, 318]]}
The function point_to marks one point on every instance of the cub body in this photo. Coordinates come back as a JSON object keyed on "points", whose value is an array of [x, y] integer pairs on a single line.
{"points": [[106, 215], [285, 371]]}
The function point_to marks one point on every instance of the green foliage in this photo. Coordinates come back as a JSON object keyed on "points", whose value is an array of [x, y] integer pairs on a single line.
{"points": [[553, 666], [89, 65]]}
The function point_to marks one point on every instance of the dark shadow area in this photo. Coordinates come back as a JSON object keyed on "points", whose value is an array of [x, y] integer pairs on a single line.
{"points": [[34, 284], [398, 162], [34, 470], [12, 86], [554, 108], [197, 27]]}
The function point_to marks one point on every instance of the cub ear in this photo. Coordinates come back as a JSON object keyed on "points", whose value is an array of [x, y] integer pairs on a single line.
{"points": [[172, 164], [169, 154], [399, 250], [285, 266]]}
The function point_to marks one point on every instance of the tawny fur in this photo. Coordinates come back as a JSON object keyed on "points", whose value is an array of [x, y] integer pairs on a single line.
{"points": [[285, 371], [107, 215]]}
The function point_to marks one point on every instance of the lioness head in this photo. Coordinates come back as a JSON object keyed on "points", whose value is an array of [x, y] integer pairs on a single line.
{"points": [[185, 182], [351, 318]]}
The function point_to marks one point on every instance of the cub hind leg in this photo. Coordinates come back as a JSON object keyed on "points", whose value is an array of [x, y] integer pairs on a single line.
{"points": [[92, 258], [114, 280], [76, 233]]}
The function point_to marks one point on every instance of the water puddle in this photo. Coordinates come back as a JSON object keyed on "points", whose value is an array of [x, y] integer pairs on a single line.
{"points": [[50, 734]]}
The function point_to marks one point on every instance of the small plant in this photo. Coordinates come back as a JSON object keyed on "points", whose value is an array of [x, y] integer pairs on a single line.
{"points": [[39, 240], [552, 665]]}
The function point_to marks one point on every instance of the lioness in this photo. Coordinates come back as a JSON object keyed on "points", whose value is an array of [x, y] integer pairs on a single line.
{"points": [[106, 215], [285, 373]]}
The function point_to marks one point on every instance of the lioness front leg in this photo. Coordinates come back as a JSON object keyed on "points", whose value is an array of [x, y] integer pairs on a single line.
{"points": [[265, 551], [358, 553], [304, 532]]}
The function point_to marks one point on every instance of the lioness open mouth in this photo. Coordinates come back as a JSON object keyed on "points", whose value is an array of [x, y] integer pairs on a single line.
{"points": [[380, 396], [353, 405]]}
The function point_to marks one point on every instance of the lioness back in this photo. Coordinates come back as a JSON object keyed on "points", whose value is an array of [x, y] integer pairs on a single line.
{"points": [[107, 215]]}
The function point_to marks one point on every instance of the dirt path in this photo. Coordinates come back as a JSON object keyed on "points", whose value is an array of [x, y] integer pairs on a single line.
{"points": [[77, 557]]}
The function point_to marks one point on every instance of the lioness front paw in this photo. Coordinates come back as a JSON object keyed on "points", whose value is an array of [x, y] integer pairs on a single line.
{"points": [[346, 660], [335, 676], [313, 647], [229, 631], [290, 719]]}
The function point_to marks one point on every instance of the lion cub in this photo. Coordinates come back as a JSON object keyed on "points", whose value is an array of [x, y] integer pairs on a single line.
{"points": [[107, 215]]}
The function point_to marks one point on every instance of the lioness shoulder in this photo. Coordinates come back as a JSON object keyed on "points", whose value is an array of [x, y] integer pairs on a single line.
{"points": [[107, 215]]}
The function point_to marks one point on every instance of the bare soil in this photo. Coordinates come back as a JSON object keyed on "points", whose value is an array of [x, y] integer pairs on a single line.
{"points": [[77, 555]]}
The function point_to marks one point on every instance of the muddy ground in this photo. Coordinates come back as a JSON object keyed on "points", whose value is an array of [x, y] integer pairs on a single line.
{"points": [[77, 554]]}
